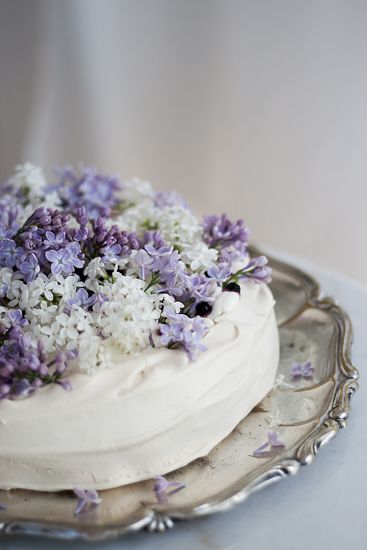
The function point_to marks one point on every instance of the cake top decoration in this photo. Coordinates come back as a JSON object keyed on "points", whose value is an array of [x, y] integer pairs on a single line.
{"points": [[91, 266]]}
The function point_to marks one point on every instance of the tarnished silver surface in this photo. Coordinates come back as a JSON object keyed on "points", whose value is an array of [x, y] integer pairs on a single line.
{"points": [[306, 415]]}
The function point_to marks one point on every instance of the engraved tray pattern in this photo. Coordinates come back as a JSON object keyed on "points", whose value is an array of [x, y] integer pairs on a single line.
{"points": [[307, 415]]}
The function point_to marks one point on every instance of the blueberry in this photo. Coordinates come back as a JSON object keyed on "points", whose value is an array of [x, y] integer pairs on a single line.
{"points": [[203, 309], [233, 287]]}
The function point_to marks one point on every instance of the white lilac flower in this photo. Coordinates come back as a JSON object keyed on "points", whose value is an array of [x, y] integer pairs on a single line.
{"points": [[29, 184], [136, 191], [127, 310], [199, 256]]}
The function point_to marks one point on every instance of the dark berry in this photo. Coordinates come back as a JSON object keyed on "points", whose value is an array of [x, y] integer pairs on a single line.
{"points": [[233, 287], [203, 309]]}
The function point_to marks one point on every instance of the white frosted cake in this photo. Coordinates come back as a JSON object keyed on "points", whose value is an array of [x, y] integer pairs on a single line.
{"points": [[125, 353]]}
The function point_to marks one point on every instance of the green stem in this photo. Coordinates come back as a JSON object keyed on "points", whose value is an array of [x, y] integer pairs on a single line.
{"points": [[153, 281]]}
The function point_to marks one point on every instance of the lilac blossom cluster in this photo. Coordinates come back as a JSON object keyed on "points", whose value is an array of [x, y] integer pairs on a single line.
{"points": [[231, 240], [88, 264], [25, 367], [89, 189]]}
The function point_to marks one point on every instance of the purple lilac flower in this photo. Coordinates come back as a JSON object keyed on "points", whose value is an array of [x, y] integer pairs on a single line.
{"points": [[256, 271], [9, 213], [47, 219], [53, 240], [143, 262], [30, 267], [219, 272], [5, 233], [87, 500], [202, 288], [111, 253], [65, 260], [163, 199], [96, 192], [10, 253], [220, 232], [299, 371], [16, 318], [82, 299], [24, 366], [182, 331], [161, 488], [234, 254], [165, 261], [153, 238], [164, 267], [276, 446], [101, 237]]}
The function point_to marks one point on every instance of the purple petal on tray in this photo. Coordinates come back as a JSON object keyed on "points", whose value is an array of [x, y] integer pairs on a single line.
{"points": [[87, 500], [162, 486], [299, 371], [273, 444]]}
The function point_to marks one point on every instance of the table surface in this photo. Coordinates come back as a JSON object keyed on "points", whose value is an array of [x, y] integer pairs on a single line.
{"points": [[323, 506]]}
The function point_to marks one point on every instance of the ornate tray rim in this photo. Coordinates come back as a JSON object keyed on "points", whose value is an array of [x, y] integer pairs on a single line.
{"points": [[335, 418]]}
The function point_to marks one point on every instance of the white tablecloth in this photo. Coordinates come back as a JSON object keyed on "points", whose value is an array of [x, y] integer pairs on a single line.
{"points": [[324, 506]]}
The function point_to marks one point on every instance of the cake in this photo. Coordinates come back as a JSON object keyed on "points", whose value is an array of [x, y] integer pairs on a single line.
{"points": [[133, 338]]}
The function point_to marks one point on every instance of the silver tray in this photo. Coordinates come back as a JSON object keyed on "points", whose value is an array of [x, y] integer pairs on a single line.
{"points": [[306, 414]]}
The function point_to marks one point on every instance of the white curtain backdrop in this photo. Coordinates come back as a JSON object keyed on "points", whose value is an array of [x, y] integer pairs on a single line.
{"points": [[257, 108]]}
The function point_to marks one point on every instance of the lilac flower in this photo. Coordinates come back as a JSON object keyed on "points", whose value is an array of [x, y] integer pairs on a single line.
{"points": [[96, 192], [24, 366], [48, 219], [9, 213], [5, 233], [182, 331], [256, 271], [202, 288], [143, 262], [64, 261], [163, 199], [54, 240], [2, 507], [220, 232], [60, 261], [82, 299], [100, 237], [161, 487], [299, 371], [30, 267], [16, 318], [87, 500], [160, 256], [234, 254], [10, 253], [153, 238], [219, 272], [276, 446], [111, 253]]}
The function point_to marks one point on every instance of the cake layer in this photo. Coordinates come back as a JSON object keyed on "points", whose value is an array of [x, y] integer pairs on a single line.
{"points": [[148, 415]]}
